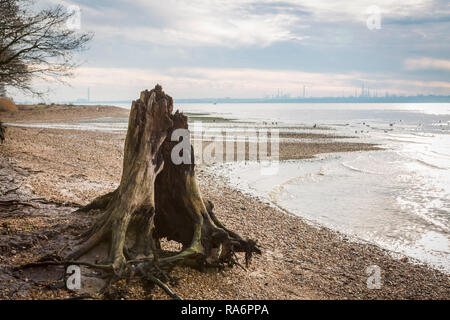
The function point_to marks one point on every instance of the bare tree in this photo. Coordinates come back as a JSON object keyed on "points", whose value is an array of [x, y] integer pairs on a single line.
{"points": [[36, 44]]}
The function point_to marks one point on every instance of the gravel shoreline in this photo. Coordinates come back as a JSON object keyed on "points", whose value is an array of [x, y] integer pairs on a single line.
{"points": [[299, 261]]}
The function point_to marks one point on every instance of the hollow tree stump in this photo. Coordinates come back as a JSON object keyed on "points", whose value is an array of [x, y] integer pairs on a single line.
{"points": [[157, 198]]}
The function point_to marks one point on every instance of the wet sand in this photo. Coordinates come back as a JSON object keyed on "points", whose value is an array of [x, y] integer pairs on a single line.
{"points": [[51, 169]]}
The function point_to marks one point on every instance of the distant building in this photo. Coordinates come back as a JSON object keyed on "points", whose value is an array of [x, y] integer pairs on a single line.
{"points": [[83, 100]]}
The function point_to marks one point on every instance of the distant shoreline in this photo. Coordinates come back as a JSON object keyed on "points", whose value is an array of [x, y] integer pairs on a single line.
{"points": [[385, 99], [389, 99]]}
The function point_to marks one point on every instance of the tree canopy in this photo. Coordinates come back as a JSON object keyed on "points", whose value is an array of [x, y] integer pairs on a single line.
{"points": [[36, 44]]}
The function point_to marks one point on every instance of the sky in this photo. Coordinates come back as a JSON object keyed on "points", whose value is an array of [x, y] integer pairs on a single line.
{"points": [[254, 49]]}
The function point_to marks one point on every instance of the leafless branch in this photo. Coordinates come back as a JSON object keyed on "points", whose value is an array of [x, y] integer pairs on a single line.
{"points": [[36, 44]]}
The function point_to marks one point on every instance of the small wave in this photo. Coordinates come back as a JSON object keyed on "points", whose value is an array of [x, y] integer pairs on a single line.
{"points": [[422, 162], [278, 189], [358, 169], [445, 155], [420, 211], [423, 134], [406, 141], [430, 165]]}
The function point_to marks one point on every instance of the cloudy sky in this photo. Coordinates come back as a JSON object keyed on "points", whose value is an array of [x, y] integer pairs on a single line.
{"points": [[245, 48]]}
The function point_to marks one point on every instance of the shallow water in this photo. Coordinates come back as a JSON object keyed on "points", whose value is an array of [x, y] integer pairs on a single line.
{"points": [[378, 196], [398, 198]]}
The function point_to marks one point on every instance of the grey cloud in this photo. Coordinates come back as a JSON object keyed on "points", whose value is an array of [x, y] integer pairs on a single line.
{"points": [[278, 7], [416, 20]]}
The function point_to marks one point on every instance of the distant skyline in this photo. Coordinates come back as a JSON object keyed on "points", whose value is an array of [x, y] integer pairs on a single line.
{"points": [[252, 49], [387, 98]]}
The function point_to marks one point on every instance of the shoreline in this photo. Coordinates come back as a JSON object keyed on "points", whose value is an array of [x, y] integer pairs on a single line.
{"points": [[299, 260], [57, 113], [267, 199]]}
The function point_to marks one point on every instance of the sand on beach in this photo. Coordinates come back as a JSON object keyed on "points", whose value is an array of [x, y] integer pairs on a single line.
{"points": [[55, 169], [63, 112], [7, 105]]}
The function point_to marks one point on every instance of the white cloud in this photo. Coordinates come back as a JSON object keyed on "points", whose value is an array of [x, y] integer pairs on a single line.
{"points": [[229, 23], [125, 83], [214, 82], [339, 10], [426, 64], [196, 23]]}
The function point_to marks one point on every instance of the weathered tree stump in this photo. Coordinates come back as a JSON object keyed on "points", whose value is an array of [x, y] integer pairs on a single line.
{"points": [[183, 216], [2, 132], [155, 199]]}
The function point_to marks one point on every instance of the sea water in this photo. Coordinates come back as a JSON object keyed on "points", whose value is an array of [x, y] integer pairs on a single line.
{"points": [[398, 198]]}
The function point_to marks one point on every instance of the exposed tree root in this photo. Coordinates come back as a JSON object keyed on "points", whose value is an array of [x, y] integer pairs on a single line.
{"points": [[99, 203], [15, 202], [159, 283], [64, 263]]}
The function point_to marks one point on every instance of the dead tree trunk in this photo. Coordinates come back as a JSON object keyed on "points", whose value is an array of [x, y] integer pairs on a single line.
{"points": [[183, 216], [134, 198], [157, 198]]}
